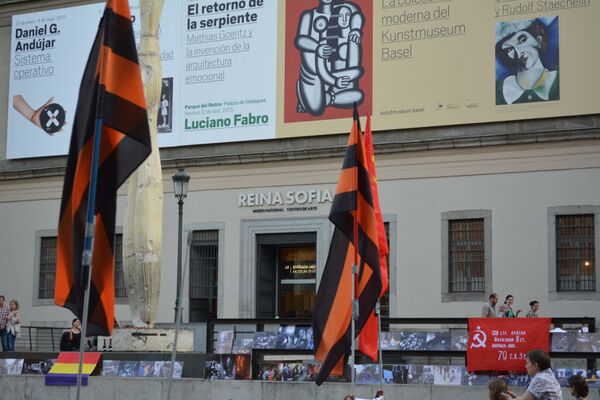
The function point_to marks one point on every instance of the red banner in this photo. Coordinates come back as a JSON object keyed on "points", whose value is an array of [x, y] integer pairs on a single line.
{"points": [[501, 344]]}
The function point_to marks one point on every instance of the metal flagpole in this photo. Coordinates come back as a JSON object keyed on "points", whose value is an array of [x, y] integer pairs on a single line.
{"points": [[355, 306], [378, 312], [86, 262], [355, 312], [178, 316]]}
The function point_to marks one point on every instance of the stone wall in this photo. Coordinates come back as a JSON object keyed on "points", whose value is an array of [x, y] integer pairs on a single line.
{"points": [[101, 388]]}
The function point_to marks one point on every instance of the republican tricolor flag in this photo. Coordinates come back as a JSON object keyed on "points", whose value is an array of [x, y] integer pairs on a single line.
{"points": [[355, 240], [111, 93]]}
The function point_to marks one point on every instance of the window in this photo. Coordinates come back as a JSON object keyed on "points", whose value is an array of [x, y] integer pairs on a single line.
{"points": [[575, 252], [204, 257], [573, 243], [466, 250], [120, 288], [384, 301], [466, 255], [47, 268]]}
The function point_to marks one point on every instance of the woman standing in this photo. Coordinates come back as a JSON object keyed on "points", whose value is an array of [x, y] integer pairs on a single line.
{"points": [[13, 325], [508, 311]]}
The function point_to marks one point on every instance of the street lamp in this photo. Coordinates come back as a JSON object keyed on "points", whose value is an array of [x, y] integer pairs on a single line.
{"points": [[180, 186]]}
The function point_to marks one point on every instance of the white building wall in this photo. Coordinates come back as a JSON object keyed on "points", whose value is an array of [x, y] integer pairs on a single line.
{"points": [[516, 183]]}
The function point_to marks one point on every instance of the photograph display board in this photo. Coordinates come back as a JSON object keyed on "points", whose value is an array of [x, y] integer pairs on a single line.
{"points": [[266, 69]]}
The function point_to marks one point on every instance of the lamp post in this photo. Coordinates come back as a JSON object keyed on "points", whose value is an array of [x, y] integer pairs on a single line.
{"points": [[180, 186]]}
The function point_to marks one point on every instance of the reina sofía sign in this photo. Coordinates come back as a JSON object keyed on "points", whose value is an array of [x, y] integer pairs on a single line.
{"points": [[291, 200]]}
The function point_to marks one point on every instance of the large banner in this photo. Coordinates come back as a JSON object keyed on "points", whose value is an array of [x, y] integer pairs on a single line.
{"points": [[240, 70], [501, 344]]}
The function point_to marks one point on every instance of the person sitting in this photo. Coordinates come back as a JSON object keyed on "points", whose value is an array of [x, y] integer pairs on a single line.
{"points": [[544, 385], [71, 339], [579, 388]]}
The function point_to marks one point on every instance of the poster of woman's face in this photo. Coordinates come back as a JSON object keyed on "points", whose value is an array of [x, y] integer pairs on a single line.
{"points": [[527, 62]]}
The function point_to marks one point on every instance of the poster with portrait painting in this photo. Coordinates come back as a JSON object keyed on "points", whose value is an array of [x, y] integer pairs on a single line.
{"points": [[527, 62]]}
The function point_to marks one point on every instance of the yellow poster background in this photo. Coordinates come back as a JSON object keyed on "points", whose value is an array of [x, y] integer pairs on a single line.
{"points": [[451, 79]]}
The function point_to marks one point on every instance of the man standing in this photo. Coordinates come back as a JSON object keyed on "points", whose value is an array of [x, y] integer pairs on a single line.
{"points": [[4, 311], [489, 309]]}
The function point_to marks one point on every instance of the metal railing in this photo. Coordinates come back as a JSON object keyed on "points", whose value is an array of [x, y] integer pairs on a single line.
{"points": [[39, 339]]}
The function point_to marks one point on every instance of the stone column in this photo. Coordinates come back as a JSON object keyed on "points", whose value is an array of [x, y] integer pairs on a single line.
{"points": [[142, 230]]}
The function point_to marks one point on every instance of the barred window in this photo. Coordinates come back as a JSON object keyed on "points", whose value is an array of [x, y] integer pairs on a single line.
{"points": [[575, 252], [120, 288], [384, 301], [47, 272], [466, 255], [47, 268], [204, 257]]}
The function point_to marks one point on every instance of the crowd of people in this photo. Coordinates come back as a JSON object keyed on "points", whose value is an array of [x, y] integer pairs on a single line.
{"points": [[10, 323], [505, 310]]}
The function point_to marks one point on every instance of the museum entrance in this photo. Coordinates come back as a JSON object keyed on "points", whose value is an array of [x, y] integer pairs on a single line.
{"points": [[286, 275]]}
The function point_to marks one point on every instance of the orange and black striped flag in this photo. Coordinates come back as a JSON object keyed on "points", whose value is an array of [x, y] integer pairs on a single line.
{"points": [[368, 341], [353, 216], [111, 89]]}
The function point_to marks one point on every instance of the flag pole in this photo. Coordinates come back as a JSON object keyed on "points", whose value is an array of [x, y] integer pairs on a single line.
{"points": [[86, 264], [178, 317], [378, 312], [86, 259], [355, 306]]}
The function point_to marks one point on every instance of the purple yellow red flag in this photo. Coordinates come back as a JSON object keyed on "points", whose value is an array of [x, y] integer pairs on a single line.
{"points": [[65, 369]]}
